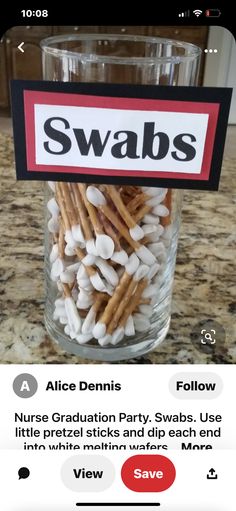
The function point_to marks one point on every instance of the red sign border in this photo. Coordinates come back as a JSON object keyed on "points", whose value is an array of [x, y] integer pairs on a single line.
{"points": [[32, 97]]}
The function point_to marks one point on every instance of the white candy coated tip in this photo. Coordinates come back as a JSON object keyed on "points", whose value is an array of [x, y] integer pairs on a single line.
{"points": [[156, 235], [54, 253], [72, 315], [109, 289], [73, 334], [59, 302], [118, 335], [59, 286], [89, 260], [154, 201], [84, 284], [146, 310], [157, 198], [158, 249], [89, 322], [145, 255], [73, 267], [149, 291], [167, 233], [60, 311], [120, 257], [129, 327], [91, 248], [67, 277], [52, 185], [95, 196], [151, 219], [107, 271], [141, 272], [63, 320], [155, 299], [141, 323], [104, 246], [149, 228], [99, 330], [67, 330], [84, 295], [84, 304], [83, 338], [154, 191], [97, 282], [88, 287], [77, 233], [166, 242], [53, 224], [136, 233], [70, 240], [57, 268], [160, 229], [153, 270], [74, 294], [132, 265], [104, 341], [53, 207], [56, 314], [82, 273], [69, 251], [160, 210]]}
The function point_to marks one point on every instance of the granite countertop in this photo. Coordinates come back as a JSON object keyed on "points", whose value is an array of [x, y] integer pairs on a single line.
{"points": [[204, 279]]}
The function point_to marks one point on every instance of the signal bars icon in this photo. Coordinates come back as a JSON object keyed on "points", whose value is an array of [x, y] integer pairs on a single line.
{"points": [[185, 14]]}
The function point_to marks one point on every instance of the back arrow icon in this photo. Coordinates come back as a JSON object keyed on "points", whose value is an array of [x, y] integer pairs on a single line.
{"points": [[20, 47]]}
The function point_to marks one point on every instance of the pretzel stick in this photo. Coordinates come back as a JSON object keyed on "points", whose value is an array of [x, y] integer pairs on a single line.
{"points": [[111, 215], [61, 241], [84, 221], [100, 327], [117, 201], [69, 204], [110, 231], [92, 212], [166, 220], [134, 302], [66, 290], [89, 321], [135, 230], [116, 298], [122, 306], [137, 201], [60, 200], [144, 210]]}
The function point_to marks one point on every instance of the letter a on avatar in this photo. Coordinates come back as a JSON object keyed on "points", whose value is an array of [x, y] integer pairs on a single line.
{"points": [[25, 386]]}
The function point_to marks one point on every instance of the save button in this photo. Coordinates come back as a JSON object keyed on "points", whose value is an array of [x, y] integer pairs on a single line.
{"points": [[148, 473]]}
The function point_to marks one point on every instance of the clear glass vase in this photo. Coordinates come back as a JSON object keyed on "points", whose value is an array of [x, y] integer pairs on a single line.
{"points": [[110, 250]]}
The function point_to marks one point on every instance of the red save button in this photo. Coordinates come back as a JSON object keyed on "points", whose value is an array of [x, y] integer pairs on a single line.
{"points": [[148, 473]]}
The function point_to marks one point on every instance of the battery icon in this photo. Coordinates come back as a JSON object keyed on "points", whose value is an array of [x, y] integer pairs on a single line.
{"points": [[213, 13]]}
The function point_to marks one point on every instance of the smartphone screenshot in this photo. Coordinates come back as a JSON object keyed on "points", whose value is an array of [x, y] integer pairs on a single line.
{"points": [[117, 261]]}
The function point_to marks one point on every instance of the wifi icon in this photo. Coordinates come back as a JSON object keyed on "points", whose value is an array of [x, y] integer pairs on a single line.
{"points": [[197, 12]]}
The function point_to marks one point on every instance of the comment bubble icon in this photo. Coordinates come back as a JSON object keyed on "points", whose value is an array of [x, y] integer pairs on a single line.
{"points": [[23, 473]]}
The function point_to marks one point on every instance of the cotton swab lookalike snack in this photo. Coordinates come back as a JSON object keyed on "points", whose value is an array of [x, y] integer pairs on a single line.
{"points": [[108, 250]]}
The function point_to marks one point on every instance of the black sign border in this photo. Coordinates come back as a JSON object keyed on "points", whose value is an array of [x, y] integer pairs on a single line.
{"points": [[219, 95]]}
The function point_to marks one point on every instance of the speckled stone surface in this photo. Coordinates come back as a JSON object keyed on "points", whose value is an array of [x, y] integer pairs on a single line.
{"points": [[205, 277]]}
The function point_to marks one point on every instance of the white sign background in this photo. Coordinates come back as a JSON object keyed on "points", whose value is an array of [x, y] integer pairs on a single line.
{"points": [[88, 118]]}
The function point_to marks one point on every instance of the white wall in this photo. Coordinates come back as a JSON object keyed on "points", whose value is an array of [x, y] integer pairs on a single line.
{"points": [[220, 68]]}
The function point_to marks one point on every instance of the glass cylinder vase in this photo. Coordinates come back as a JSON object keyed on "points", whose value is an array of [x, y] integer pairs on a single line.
{"points": [[110, 250]]}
